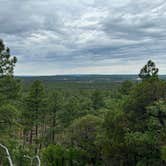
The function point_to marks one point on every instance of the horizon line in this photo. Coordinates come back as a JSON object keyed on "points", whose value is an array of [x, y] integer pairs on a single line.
{"points": [[77, 75]]}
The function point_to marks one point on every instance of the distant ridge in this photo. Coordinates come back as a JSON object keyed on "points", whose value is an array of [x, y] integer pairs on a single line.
{"points": [[85, 78]]}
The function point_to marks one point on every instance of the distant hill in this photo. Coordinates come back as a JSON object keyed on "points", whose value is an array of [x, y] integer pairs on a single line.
{"points": [[81, 81], [84, 78]]}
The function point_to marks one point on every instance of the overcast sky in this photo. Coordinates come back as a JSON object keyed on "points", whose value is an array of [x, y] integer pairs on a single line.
{"points": [[84, 36]]}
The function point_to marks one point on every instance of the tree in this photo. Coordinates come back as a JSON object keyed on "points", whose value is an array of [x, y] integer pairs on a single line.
{"points": [[9, 87], [9, 91], [57, 155], [157, 111], [8, 121], [55, 105], [82, 135], [126, 87], [141, 96], [71, 111], [7, 62], [149, 70], [9, 97], [53, 155], [97, 100], [145, 110], [35, 109], [143, 148], [157, 125], [112, 138]]}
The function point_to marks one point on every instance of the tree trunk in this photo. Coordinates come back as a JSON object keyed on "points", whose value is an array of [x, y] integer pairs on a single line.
{"points": [[36, 139], [53, 126], [31, 137]]}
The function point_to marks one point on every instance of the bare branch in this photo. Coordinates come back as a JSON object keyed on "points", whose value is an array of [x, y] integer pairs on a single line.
{"points": [[8, 154]]}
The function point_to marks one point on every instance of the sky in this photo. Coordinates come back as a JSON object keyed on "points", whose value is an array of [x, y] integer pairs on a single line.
{"points": [[84, 36]]}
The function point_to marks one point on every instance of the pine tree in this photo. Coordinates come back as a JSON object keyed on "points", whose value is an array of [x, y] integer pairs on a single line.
{"points": [[149, 70], [35, 109], [9, 93], [7, 63]]}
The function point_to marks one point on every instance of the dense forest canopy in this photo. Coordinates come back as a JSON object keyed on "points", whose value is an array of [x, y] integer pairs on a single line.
{"points": [[124, 125]]}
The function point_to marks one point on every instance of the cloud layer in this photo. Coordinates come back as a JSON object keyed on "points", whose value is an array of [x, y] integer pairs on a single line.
{"points": [[80, 36]]}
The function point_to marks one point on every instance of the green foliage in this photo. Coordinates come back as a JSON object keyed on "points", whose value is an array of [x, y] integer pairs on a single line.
{"points": [[8, 118], [144, 146], [19, 154], [112, 140], [9, 89], [141, 96], [163, 153], [35, 103], [149, 70], [157, 111], [7, 62], [55, 106], [73, 108], [97, 100], [9, 99], [130, 137], [56, 155], [126, 87], [82, 134], [53, 155], [34, 113]]}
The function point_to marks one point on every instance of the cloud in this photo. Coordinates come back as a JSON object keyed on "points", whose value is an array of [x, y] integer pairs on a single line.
{"points": [[81, 36]]}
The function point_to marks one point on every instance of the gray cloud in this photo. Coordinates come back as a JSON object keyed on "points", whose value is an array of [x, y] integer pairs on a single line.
{"points": [[80, 36]]}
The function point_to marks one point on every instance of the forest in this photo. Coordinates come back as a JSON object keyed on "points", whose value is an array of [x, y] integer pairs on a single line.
{"points": [[121, 125]]}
